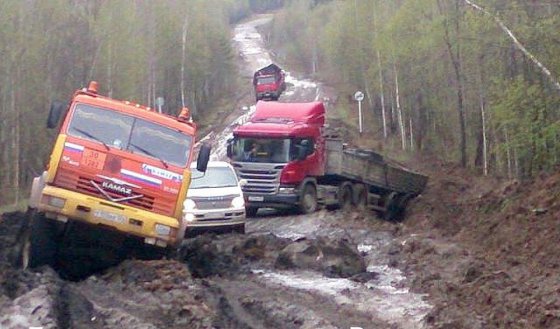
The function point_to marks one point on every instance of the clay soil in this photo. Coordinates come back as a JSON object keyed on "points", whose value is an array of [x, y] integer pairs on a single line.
{"points": [[486, 251]]}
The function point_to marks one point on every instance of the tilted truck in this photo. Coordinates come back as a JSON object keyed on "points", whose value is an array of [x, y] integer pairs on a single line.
{"points": [[269, 83], [118, 175], [289, 160]]}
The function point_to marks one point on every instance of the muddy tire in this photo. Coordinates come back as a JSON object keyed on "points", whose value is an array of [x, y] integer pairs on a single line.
{"points": [[359, 197], [308, 199], [345, 196], [395, 207], [38, 243], [251, 211]]}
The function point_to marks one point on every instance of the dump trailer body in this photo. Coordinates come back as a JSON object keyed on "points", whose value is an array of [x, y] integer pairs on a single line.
{"points": [[372, 169]]}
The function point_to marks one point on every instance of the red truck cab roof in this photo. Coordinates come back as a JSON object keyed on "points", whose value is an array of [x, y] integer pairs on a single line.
{"points": [[277, 119]]}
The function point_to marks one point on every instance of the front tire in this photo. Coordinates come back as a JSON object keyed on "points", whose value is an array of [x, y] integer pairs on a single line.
{"points": [[38, 243], [308, 201], [251, 211]]}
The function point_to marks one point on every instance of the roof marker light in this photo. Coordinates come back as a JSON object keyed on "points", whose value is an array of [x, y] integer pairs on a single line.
{"points": [[93, 87]]}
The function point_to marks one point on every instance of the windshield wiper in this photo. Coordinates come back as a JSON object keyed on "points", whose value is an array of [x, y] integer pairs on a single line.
{"points": [[89, 135], [143, 150]]}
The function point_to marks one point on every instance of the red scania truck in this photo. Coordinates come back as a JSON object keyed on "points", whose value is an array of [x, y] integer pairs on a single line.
{"points": [[118, 172], [290, 160], [269, 83]]}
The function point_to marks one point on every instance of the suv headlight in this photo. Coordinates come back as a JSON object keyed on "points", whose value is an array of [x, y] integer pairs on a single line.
{"points": [[189, 205], [238, 202]]}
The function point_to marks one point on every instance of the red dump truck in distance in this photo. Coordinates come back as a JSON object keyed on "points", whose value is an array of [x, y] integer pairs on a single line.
{"points": [[117, 169], [289, 160], [269, 83]]}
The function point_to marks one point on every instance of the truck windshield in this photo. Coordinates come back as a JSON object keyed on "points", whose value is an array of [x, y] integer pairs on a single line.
{"points": [[270, 150], [121, 131], [213, 178], [266, 80]]}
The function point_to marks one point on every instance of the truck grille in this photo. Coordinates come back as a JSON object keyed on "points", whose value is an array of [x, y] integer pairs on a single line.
{"points": [[68, 180], [261, 178]]}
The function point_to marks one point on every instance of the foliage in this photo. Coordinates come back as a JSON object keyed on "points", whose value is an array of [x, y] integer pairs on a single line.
{"points": [[132, 48], [438, 48]]}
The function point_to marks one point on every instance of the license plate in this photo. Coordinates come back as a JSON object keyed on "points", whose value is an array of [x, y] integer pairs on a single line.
{"points": [[109, 216], [256, 198]]}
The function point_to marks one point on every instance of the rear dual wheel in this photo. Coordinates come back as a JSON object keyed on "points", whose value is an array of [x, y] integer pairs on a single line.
{"points": [[345, 196]]}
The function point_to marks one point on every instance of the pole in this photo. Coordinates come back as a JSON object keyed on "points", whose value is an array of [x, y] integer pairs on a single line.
{"points": [[360, 115]]}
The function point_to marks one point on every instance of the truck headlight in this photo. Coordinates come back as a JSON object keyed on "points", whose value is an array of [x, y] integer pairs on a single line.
{"points": [[54, 201], [162, 229], [286, 190], [189, 205], [238, 202]]}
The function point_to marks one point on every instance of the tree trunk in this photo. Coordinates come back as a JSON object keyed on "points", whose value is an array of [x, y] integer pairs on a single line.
{"points": [[544, 70], [399, 111], [382, 96], [183, 54], [457, 67]]}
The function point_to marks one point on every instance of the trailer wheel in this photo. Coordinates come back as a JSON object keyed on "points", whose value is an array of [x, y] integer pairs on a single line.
{"points": [[395, 206], [345, 196], [38, 243], [308, 202], [251, 211], [359, 199]]}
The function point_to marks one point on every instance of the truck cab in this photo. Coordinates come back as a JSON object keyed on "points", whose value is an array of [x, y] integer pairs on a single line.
{"points": [[278, 152], [116, 166], [269, 83]]}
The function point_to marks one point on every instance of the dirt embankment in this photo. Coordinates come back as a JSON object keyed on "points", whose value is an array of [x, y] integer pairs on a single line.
{"points": [[486, 251]]}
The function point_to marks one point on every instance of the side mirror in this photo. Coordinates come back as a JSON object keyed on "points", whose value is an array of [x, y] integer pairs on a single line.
{"points": [[203, 157], [301, 153], [57, 108]]}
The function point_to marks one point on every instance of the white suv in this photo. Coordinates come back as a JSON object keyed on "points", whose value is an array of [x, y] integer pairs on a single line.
{"points": [[214, 201]]}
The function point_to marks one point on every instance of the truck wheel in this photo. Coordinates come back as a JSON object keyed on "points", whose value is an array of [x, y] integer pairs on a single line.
{"points": [[251, 211], [359, 197], [308, 201], [393, 204], [345, 196], [38, 243]]}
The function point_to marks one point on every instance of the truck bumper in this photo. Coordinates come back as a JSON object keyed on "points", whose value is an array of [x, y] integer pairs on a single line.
{"points": [[155, 229], [277, 201]]}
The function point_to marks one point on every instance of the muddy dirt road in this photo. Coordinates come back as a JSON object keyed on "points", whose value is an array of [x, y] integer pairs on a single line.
{"points": [[465, 257]]}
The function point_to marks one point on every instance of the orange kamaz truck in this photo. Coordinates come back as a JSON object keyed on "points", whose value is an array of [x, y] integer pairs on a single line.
{"points": [[117, 176]]}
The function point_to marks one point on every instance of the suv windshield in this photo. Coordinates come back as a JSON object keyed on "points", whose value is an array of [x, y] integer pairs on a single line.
{"points": [[214, 177], [118, 130]]}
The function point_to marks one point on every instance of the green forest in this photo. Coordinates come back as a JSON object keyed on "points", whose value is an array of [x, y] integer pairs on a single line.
{"points": [[472, 81], [136, 50]]}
